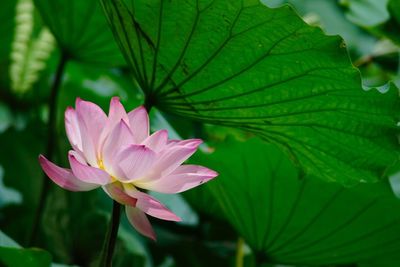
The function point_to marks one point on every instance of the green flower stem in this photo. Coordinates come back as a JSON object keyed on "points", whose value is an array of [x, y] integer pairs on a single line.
{"points": [[51, 144], [111, 236], [239, 252]]}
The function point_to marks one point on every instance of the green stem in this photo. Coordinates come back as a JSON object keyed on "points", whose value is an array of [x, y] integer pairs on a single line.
{"points": [[51, 143], [111, 236], [239, 252]]}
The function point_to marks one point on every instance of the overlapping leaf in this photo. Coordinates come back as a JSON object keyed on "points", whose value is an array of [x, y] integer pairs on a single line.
{"points": [[366, 12], [24, 257], [290, 219], [241, 64], [11, 254], [391, 27], [81, 30]]}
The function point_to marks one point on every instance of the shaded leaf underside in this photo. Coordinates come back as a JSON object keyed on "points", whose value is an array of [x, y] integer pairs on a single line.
{"points": [[301, 221], [241, 64], [81, 30]]}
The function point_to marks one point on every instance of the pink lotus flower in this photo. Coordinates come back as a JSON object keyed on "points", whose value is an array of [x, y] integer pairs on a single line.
{"points": [[118, 154]]}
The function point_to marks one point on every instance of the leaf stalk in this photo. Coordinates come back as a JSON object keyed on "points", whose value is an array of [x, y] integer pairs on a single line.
{"points": [[51, 143], [111, 236]]}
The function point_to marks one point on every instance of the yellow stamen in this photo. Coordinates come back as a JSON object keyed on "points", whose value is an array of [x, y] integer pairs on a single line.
{"points": [[101, 166]]}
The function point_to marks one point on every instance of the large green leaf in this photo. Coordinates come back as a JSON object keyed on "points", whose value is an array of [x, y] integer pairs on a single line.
{"points": [[377, 59], [289, 219], [331, 18], [12, 255], [81, 30], [15, 257], [241, 64]]}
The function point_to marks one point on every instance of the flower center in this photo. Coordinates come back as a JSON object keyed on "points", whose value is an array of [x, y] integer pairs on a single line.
{"points": [[101, 166]]}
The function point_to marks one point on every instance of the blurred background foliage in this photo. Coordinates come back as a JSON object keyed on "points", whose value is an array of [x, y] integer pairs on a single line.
{"points": [[260, 211]]}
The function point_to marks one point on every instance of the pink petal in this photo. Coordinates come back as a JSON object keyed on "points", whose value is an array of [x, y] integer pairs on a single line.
{"points": [[139, 221], [93, 117], [118, 139], [183, 178], [134, 162], [88, 143], [87, 173], [64, 177], [187, 142], [157, 141], [139, 122], [116, 192], [170, 159], [78, 156], [72, 129], [117, 112], [90, 111], [115, 115], [150, 205]]}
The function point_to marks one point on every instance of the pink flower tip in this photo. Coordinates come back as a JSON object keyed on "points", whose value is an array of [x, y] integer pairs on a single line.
{"points": [[142, 108], [152, 236], [213, 174], [70, 156], [195, 143], [115, 99], [78, 100]]}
